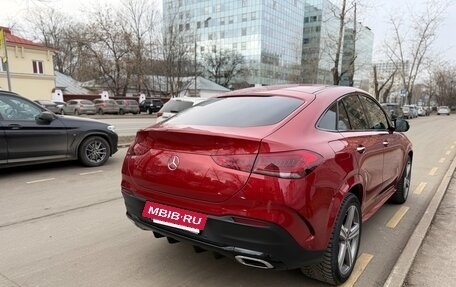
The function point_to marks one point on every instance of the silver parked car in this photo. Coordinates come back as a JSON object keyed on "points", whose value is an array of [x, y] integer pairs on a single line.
{"points": [[79, 107], [443, 110], [106, 106]]}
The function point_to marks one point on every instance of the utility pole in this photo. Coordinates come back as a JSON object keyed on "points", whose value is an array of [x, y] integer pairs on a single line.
{"points": [[5, 60]]}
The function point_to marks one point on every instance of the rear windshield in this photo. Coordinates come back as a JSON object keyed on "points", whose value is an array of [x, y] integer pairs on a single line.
{"points": [[239, 111], [86, 103], [176, 106], [132, 103]]}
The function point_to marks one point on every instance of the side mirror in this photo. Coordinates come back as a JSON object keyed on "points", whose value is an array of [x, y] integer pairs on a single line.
{"points": [[401, 125], [45, 117]]}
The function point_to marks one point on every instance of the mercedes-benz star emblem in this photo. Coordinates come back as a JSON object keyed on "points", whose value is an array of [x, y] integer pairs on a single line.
{"points": [[173, 162]]}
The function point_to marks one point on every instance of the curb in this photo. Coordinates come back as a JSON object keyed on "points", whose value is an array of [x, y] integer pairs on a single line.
{"points": [[404, 263], [125, 141]]}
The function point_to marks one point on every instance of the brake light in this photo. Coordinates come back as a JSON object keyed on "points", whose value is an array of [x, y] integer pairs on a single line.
{"points": [[243, 162], [141, 145], [293, 164], [81, 105], [159, 114]]}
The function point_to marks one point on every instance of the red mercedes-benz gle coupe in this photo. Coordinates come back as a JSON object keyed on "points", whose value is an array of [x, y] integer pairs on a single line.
{"points": [[275, 177]]}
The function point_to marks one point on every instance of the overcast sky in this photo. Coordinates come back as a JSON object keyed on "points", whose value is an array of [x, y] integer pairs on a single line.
{"points": [[376, 17]]}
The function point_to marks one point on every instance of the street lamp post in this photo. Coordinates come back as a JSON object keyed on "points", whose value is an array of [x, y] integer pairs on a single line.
{"points": [[196, 73]]}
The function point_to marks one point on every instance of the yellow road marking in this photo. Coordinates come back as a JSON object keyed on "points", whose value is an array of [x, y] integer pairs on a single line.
{"points": [[442, 160], [448, 152], [40, 180], [91, 172], [433, 171], [420, 188], [394, 221], [361, 264]]}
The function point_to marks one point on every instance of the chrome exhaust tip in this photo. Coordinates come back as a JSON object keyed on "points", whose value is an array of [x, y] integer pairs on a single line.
{"points": [[253, 262]]}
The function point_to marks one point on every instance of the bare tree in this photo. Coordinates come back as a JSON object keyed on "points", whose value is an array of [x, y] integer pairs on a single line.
{"points": [[224, 66], [109, 47], [176, 56], [140, 19], [410, 48], [383, 89]]}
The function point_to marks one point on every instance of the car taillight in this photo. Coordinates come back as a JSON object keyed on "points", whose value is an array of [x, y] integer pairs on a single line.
{"points": [[159, 114], [293, 164], [141, 145], [243, 162], [81, 105]]}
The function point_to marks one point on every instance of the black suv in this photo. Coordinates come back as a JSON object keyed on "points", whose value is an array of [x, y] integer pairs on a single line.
{"points": [[30, 134], [150, 105]]}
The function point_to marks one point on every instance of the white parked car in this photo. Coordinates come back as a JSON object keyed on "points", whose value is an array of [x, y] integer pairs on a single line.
{"points": [[443, 110], [422, 111], [177, 105]]}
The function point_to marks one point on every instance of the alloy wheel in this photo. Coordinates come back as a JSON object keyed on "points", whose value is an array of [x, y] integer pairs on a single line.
{"points": [[349, 240]]}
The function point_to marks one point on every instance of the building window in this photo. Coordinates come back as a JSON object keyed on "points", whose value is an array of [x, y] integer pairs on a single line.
{"points": [[234, 46], [218, 8], [253, 16], [306, 19], [210, 36], [206, 24], [214, 49], [37, 67], [181, 27], [222, 21], [187, 26], [230, 20], [244, 17], [202, 49], [244, 32], [244, 3], [222, 35], [198, 24], [243, 45], [2, 65]]}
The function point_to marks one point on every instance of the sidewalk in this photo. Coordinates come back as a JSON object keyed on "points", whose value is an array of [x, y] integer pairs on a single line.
{"points": [[429, 258], [435, 262]]}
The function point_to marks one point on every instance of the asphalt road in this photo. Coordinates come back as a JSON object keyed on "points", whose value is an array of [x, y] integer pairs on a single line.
{"points": [[65, 225]]}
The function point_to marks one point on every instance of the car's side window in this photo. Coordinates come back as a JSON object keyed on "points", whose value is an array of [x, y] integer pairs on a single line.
{"points": [[355, 113], [343, 123], [377, 118], [17, 109], [328, 120]]}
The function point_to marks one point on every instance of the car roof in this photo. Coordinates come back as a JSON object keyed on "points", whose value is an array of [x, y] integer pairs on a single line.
{"points": [[298, 91]]}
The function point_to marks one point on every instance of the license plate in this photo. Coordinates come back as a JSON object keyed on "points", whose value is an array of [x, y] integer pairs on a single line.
{"points": [[174, 217]]}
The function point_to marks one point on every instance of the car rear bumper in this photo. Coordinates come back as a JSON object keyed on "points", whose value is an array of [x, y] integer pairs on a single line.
{"points": [[263, 246]]}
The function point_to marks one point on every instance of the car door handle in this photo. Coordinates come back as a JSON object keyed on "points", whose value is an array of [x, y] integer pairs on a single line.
{"points": [[361, 149], [14, 126], [385, 143]]}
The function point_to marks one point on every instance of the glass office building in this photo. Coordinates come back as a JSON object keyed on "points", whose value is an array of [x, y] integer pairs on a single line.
{"points": [[268, 33], [358, 47], [321, 29]]}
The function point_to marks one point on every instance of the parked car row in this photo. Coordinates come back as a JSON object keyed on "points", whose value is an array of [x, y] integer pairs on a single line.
{"points": [[394, 110], [102, 106]]}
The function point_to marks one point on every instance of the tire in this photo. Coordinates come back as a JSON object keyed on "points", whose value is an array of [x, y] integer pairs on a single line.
{"points": [[149, 111], [121, 112], [94, 151], [333, 270], [76, 112], [100, 111], [403, 186], [62, 112]]}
